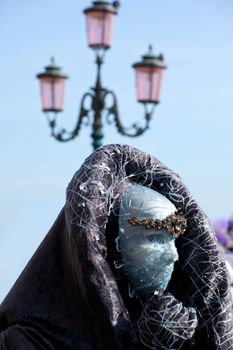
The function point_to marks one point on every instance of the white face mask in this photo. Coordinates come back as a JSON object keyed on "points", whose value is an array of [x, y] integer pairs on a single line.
{"points": [[148, 254]]}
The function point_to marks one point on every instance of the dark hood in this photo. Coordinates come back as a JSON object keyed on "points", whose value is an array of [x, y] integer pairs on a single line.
{"points": [[69, 296]]}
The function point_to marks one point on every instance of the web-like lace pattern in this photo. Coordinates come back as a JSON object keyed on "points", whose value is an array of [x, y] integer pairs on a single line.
{"points": [[95, 192]]}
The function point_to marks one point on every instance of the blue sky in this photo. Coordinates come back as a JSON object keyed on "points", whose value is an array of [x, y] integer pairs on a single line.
{"points": [[191, 131]]}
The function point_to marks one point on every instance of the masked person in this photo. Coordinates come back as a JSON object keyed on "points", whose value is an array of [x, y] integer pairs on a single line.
{"points": [[130, 263]]}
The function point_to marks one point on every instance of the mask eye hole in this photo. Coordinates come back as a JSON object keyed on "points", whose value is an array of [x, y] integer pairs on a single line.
{"points": [[156, 237]]}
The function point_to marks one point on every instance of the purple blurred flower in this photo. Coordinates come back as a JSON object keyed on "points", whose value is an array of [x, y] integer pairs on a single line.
{"points": [[230, 227], [229, 258], [220, 227]]}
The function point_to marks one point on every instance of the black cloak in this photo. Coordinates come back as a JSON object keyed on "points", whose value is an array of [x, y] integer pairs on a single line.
{"points": [[69, 295]]}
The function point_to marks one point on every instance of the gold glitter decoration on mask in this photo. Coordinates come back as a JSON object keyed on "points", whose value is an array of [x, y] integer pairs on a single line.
{"points": [[175, 223]]}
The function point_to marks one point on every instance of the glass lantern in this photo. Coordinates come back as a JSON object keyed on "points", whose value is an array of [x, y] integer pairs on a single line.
{"points": [[52, 86], [149, 73], [99, 24]]}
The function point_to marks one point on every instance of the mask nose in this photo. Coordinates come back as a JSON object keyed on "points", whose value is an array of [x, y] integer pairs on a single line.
{"points": [[171, 254]]}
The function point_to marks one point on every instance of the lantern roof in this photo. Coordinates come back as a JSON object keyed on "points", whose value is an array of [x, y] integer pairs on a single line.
{"points": [[103, 6], [52, 71], [151, 60]]}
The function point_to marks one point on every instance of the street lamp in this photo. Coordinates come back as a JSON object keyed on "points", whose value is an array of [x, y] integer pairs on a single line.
{"points": [[149, 72]]}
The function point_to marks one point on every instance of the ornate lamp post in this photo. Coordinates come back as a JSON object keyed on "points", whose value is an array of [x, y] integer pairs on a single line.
{"points": [[149, 72]]}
